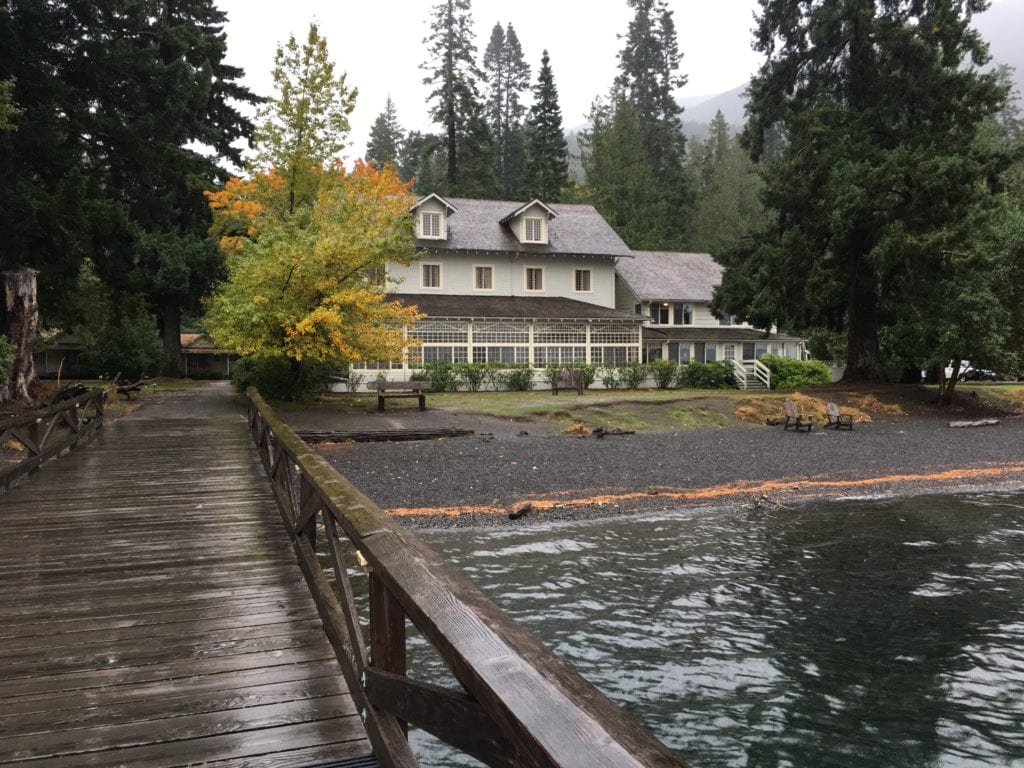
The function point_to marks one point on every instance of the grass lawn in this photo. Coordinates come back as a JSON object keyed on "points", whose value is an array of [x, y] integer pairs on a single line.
{"points": [[644, 410]]}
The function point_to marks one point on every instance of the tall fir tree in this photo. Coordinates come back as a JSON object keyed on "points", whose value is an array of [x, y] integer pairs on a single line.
{"points": [[422, 159], [728, 205], [121, 92], [385, 144], [547, 156], [879, 174], [619, 180], [508, 76], [647, 80], [453, 77]]}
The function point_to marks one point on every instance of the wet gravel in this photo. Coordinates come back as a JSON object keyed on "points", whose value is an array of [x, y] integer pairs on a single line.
{"points": [[504, 471]]}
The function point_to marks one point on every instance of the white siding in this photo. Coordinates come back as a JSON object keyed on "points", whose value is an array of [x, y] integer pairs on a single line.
{"points": [[457, 276]]}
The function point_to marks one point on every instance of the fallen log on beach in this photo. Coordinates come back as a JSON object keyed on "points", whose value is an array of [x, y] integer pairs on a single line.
{"points": [[976, 423], [379, 435]]}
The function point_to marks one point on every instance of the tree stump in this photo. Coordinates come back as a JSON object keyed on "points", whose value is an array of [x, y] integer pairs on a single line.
{"points": [[19, 319]]}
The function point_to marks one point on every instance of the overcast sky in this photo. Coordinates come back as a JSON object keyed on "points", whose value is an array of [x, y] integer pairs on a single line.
{"points": [[379, 44]]}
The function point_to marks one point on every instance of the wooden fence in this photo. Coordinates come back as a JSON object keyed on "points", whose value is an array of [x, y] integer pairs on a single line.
{"points": [[31, 439], [520, 704]]}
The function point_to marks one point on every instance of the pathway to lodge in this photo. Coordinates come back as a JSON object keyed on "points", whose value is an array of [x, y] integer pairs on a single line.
{"points": [[152, 612]]}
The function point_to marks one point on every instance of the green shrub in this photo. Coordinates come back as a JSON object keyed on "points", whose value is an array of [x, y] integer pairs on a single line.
{"points": [[664, 372], [275, 378], [633, 375], [6, 360], [716, 375], [611, 379], [441, 375], [788, 373], [496, 376], [520, 378], [472, 374], [130, 347]]}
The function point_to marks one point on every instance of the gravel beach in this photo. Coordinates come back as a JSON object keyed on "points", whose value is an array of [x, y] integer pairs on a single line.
{"points": [[480, 479]]}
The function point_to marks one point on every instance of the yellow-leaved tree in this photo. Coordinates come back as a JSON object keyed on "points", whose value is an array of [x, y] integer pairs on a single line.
{"points": [[306, 240], [309, 285]]}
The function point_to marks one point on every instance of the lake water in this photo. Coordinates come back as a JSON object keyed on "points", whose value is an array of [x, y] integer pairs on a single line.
{"points": [[860, 633]]}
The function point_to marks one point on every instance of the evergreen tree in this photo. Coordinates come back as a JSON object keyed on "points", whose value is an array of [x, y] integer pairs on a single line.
{"points": [[423, 158], [453, 77], [8, 110], [728, 205], [508, 76], [115, 97], [304, 126], [619, 181], [385, 144], [547, 169], [879, 173], [647, 80]]}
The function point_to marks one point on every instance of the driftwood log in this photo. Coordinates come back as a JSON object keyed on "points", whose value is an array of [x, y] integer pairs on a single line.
{"points": [[977, 423], [19, 318], [378, 436]]}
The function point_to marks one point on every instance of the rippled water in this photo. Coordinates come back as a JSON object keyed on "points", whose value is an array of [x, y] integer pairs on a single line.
{"points": [[862, 633]]}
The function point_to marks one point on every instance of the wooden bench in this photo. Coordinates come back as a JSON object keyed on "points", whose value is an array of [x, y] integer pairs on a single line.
{"points": [[567, 378], [386, 389]]}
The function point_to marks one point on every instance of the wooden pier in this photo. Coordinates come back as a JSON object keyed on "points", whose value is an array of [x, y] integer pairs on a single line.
{"points": [[152, 612], [163, 604]]}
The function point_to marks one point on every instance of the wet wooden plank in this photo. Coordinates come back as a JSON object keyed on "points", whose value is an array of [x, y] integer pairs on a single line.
{"points": [[152, 612]]}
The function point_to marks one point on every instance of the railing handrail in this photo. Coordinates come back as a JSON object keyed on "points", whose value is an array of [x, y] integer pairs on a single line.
{"points": [[764, 373], [525, 706], [37, 431]]}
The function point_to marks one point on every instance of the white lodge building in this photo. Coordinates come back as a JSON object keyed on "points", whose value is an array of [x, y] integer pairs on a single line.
{"points": [[530, 283], [514, 283], [673, 292]]}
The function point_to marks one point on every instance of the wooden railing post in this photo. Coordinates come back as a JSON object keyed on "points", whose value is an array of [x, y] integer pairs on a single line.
{"points": [[520, 707]]}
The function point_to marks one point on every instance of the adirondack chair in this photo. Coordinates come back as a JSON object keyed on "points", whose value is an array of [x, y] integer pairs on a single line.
{"points": [[836, 418], [793, 418]]}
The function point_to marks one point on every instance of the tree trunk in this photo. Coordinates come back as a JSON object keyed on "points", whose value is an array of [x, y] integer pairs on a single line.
{"points": [[172, 338], [948, 386], [863, 357], [19, 319]]}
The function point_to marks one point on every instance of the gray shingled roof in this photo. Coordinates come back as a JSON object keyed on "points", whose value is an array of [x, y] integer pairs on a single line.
{"points": [[669, 276], [509, 307], [721, 333], [476, 226]]}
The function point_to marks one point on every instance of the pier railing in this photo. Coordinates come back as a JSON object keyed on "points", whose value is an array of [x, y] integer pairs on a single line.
{"points": [[520, 705], [31, 439]]}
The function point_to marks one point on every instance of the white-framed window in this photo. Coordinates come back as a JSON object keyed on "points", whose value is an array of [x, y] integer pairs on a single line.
{"points": [[483, 278], [730, 352], [430, 275], [727, 319], [582, 281], [533, 227], [682, 314], [535, 278], [430, 224]]}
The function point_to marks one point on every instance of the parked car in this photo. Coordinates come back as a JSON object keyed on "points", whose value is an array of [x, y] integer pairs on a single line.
{"points": [[979, 374]]}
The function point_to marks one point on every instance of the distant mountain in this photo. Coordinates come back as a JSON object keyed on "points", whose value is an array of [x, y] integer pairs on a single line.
{"points": [[731, 103]]}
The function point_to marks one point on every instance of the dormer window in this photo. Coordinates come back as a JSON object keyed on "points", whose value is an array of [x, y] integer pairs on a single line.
{"points": [[431, 214], [530, 223], [430, 224]]}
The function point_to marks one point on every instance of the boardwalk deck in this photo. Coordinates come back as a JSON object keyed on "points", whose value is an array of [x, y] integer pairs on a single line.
{"points": [[152, 612]]}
